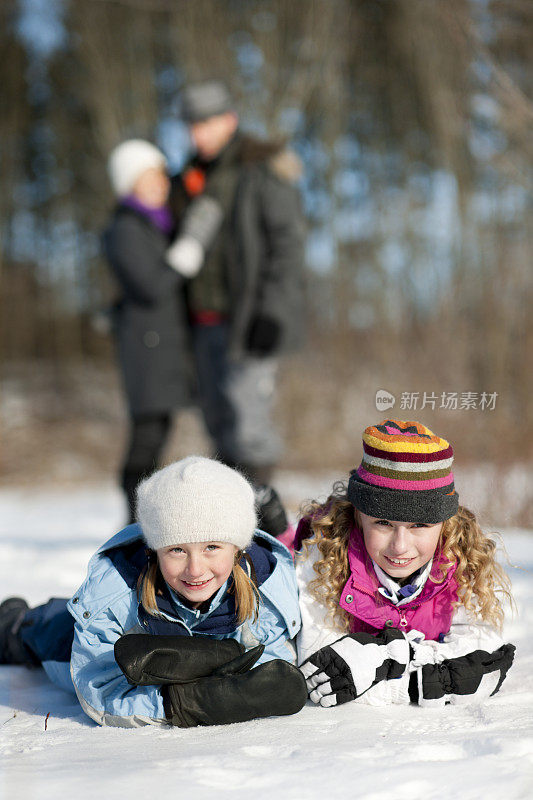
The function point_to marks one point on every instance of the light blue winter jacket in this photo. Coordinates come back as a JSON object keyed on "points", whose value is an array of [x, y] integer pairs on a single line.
{"points": [[105, 608]]}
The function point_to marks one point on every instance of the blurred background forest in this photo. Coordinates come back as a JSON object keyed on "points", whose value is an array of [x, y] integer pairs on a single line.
{"points": [[413, 121]]}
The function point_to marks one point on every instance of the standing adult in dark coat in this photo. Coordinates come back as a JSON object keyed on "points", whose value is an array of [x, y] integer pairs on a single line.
{"points": [[244, 305], [150, 317]]}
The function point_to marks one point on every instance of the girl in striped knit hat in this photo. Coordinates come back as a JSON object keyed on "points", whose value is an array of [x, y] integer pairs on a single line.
{"points": [[399, 587]]}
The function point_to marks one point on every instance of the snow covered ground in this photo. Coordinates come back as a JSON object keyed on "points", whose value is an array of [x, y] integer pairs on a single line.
{"points": [[48, 748]]}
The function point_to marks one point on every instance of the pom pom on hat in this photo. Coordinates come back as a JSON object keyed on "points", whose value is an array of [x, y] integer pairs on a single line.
{"points": [[196, 500], [129, 160], [405, 475]]}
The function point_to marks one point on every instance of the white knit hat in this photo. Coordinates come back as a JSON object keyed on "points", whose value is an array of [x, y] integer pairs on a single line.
{"points": [[196, 500], [129, 160]]}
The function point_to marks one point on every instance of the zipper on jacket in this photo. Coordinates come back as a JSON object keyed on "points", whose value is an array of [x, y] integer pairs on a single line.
{"points": [[403, 618]]}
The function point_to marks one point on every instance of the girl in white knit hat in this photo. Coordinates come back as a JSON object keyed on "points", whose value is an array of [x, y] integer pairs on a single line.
{"points": [[216, 596]]}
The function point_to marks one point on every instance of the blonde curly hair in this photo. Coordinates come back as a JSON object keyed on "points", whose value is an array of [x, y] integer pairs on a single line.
{"points": [[480, 579]]}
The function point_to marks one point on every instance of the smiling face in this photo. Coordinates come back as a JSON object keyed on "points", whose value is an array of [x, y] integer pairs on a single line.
{"points": [[399, 548], [197, 570]]}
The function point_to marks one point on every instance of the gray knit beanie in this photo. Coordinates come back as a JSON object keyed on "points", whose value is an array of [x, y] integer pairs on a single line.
{"points": [[196, 500], [200, 101]]}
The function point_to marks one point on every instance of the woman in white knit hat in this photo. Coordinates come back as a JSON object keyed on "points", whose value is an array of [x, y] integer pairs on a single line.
{"points": [[216, 596], [150, 260]]}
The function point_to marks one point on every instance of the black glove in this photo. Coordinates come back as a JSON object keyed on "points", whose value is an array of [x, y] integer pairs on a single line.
{"points": [[346, 669], [465, 679], [263, 336], [273, 689], [146, 660]]}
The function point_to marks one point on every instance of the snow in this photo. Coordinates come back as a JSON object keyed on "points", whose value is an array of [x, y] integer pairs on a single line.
{"points": [[470, 752]]}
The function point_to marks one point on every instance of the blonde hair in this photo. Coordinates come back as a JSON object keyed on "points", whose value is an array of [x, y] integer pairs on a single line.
{"points": [[480, 579], [151, 582]]}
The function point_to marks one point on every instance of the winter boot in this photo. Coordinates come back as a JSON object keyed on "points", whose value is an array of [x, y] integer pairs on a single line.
{"points": [[12, 649], [272, 515]]}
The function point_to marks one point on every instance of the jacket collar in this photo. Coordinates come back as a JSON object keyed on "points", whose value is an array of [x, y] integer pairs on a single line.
{"points": [[401, 594]]}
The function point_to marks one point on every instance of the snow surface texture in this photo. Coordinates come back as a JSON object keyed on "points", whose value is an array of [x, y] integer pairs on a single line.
{"points": [[369, 753]]}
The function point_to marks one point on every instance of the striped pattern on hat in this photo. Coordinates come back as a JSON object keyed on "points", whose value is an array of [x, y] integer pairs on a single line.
{"points": [[407, 469]]}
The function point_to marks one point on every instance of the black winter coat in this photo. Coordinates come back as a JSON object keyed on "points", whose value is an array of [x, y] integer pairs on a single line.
{"points": [[149, 317], [264, 246], [267, 265]]}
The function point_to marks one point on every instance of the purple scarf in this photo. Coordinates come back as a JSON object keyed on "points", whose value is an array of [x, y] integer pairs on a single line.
{"points": [[160, 217]]}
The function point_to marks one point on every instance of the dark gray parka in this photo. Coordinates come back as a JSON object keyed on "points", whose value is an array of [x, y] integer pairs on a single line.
{"points": [[266, 274]]}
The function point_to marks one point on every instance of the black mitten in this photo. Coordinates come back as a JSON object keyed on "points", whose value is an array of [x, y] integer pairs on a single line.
{"points": [[263, 336], [347, 668], [273, 689], [466, 679], [146, 660]]}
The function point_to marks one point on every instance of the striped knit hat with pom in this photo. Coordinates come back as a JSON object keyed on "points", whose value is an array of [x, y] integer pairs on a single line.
{"points": [[405, 475]]}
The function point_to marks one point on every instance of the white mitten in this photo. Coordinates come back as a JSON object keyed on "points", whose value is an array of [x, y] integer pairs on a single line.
{"points": [[186, 256]]}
